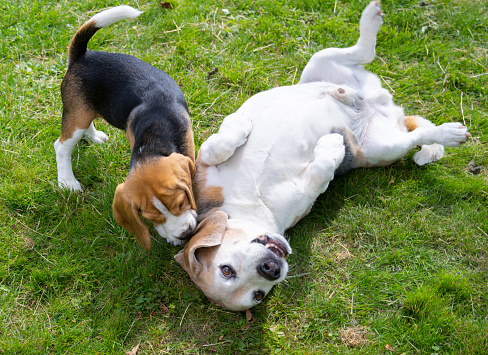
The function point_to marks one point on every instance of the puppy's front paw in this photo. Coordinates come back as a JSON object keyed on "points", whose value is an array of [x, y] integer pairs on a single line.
{"points": [[452, 134], [69, 184], [97, 137], [371, 19]]}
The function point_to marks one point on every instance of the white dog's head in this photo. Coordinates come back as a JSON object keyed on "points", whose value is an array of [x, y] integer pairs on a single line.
{"points": [[233, 269]]}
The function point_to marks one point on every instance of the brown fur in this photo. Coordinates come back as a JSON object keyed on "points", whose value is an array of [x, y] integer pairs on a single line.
{"points": [[410, 122], [208, 198], [166, 178], [77, 114]]}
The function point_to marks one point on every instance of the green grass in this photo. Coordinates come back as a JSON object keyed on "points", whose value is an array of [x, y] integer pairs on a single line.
{"points": [[398, 255]]}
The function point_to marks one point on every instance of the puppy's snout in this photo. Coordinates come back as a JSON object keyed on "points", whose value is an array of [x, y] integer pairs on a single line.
{"points": [[270, 270]]}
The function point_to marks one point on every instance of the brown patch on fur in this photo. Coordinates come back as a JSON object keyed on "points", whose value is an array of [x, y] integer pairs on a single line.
{"points": [[189, 149], [208, 198], [166, 178], [410, 122], [77, 114], [129, 135]]}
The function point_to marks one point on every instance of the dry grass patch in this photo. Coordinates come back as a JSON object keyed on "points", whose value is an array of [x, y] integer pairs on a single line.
{"points": [[356, 336]]}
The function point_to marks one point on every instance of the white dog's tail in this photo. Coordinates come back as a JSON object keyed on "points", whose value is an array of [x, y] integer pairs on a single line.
{"points": [[79, 42]]}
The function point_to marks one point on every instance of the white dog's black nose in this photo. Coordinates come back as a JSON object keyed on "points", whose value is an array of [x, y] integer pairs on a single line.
{"points": [[270, 270]]}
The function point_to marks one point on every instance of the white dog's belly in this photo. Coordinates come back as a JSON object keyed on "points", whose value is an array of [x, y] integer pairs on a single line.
{"points": [[270, 169]]}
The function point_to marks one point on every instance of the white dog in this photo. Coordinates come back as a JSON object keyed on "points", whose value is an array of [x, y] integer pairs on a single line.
{"points": [[270, 160]]}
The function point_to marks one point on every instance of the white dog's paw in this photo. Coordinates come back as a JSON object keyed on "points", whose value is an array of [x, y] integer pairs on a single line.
{"points": [[96, 137], [69, 184], [451, 134], [216, 149], [330, 148], [428, 154], [371, 19]]}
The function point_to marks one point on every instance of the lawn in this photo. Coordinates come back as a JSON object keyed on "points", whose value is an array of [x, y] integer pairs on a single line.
{"points": [[391, 260]]}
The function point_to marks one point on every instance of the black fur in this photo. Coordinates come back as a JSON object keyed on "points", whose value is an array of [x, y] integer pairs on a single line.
{"points": [[132, 94]]}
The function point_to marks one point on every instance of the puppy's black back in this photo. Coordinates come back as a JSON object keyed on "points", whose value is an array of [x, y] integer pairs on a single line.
{"points": [[114, 84]]}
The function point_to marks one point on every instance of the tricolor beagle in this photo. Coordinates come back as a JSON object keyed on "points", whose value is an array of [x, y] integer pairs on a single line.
{"points": [[270, 160], [145, 102]]}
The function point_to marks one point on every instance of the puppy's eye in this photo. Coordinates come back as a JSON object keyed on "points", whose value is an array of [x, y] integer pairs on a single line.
{"points": [[258, 296], [227, 271], [181, 206]]}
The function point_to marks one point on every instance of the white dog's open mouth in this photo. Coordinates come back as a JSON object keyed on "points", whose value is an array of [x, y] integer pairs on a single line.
{"points": [[274, 245]]}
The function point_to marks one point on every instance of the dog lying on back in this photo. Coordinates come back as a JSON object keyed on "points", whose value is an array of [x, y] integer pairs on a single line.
{"points": [[145, 102], [270, 160]]}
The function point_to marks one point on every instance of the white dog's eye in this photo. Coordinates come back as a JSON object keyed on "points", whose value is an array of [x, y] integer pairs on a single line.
{"points": [[227, 271], [258, 296]]}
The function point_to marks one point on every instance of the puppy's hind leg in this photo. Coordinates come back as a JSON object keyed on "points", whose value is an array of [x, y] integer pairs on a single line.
{"points": [[321, 66], [329, 154], [74, 125]]}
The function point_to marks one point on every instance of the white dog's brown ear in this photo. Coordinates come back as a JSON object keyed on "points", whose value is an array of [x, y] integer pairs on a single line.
{"points": [[126, 213], [209, 233]]}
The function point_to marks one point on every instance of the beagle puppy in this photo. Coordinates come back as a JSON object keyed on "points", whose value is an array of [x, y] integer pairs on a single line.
{"points": [[145, 102], [270, 160]]}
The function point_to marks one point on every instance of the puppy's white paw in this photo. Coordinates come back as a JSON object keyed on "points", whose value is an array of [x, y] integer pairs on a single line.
{"points": [[451, 134], [371, 19], [69, 184], [428, 154], [96, 137]]}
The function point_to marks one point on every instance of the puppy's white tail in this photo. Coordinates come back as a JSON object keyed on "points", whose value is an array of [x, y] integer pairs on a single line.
{"points": [[79, 42]]}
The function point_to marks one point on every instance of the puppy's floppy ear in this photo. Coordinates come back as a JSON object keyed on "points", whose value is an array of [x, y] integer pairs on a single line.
{"points": [[209, 233], [190, 165], [126, 213]]}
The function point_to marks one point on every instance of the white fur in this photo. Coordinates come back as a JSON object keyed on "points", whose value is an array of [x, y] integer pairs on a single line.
{"points": [[278, 153], [94, 136], [66, 178], [175, 226], [110, 16]]}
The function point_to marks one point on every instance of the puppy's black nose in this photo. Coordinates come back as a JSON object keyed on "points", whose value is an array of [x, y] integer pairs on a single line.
{"points": [[269, 270]]}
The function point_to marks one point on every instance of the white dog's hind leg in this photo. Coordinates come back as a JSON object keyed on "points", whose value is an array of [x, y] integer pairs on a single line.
{"points": [[232, 134], [66, 178], [388, 146], [428, 153], [94, 136], [329, 153], [319, 67]]}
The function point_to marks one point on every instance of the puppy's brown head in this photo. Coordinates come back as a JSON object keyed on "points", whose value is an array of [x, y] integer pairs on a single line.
{"points": [[234, 268], [159, 190]]}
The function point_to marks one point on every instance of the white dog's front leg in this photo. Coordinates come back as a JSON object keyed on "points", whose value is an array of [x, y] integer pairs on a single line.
{"points": [[329, 153], [232, 134]]}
